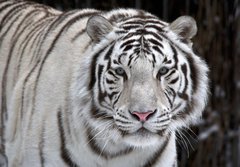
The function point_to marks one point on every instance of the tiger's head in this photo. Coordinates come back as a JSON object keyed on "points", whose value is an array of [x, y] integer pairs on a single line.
{"points": [[143, 77]]}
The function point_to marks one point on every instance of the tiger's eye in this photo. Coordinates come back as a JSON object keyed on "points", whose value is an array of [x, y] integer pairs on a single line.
{"points": [[163, 70], [120, 71]]}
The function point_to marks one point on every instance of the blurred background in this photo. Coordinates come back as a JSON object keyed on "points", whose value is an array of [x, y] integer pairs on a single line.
{"points": [[215, 142]]}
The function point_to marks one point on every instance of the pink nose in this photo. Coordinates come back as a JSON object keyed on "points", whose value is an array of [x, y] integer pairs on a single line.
{"points": [[142, 116]]}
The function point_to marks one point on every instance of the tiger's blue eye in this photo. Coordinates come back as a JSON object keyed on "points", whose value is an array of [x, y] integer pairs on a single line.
{"points": [[120, 71], [163, 70]]}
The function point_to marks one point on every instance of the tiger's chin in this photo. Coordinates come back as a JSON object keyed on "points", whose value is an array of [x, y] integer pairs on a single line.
{"points": [[142, 138]]}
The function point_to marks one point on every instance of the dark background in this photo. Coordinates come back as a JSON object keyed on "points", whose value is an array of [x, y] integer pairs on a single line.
{"points": [[215, 142]]}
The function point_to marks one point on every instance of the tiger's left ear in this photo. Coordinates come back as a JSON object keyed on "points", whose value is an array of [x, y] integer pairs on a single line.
{"points": [[185, 27], [98, 27]]}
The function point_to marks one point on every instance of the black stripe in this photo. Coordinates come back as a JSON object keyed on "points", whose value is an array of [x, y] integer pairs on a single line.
{"points": [[109, 53], [6, 5], [93, 66], [175, 116], [23, 91], [116, 100], [112, 94], [185, 72], [172, 91], [41, 146], [116, 62], [158, 50], [193, 72], [155, 35], [108, 81], [169, 100], [186, 111], [131, 58], [174, 56], [127, 43], [78, 17], [165, 59], [154, 159], [97, 150], [129, 35], [174, 80], [111, 73], [141, 17], [141, 32], [161, 121], [120, 57], [128, 47], [121, 32], [170, 74], [117, 17], [154, 59], [155, 22], [93, 145], [159, 29], [64, 151], [155, 42], [78, 34], [130, 27], [123, 122], [112, 88], [168, 62], [134, 22], [123, 116], [99, 115], [183, 96], [102, 94]]}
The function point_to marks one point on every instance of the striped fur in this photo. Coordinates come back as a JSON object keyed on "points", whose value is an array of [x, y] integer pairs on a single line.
{"points": [[71, 83]]}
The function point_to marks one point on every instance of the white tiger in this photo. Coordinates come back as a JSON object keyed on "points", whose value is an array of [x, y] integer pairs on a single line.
{"points": [[88, 88]]}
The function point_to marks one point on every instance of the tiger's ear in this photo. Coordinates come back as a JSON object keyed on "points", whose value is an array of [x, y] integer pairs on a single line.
{"points": [[185, 27], [98, 27]]}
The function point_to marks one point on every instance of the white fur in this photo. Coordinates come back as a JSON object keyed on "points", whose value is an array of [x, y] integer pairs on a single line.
{"points": [[32, 127]]}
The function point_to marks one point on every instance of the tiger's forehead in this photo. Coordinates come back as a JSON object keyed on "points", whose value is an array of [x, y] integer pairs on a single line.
{"points": [[146, 22], [144, 37], [144, 44]]}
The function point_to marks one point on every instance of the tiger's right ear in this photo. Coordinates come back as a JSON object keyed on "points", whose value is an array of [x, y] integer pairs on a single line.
{"points": [[185, 27], [98, 27]]}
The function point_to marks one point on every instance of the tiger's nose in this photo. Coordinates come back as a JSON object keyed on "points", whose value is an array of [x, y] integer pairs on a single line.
{"points": [[143, 116]]}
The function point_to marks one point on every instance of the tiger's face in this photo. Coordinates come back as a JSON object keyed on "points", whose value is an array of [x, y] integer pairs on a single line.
{"points": [[143, 82], [142, 88]]}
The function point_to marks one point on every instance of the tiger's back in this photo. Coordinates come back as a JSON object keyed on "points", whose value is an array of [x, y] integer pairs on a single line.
{"points": [[63, 101]]}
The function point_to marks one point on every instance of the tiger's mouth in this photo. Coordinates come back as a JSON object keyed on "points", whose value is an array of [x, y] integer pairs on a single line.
{"points": [[144, 132], [143, 137]]}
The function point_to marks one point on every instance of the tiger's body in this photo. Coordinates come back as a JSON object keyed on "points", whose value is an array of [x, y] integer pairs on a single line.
{"points": [[89, 88]]}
